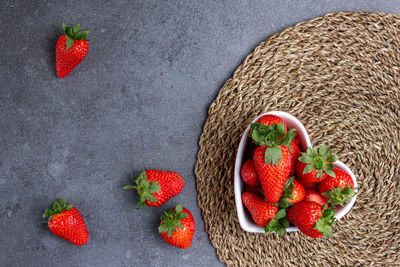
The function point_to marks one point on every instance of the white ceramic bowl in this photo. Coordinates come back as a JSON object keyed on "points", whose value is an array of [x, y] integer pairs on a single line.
{"points": [[245, 220]]}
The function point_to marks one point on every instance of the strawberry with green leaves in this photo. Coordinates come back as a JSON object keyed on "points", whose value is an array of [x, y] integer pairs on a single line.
{"points": [[294, 155], [177, 227], [271, 158], [338, 190], [312, 219], [271, 119], [72, 47], [278, 224], [157, 187], [315, 165], [66, 222], [293, 192]]}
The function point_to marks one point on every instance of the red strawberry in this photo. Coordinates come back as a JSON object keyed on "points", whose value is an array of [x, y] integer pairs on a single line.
{"points": [[253, 189], [261, 211], [71, 49], [272, 177], [271, 158], [309, 185], [177, 227], [157, 187], [66, 222], [315, 165], [339, 190], [271, 119], [311, 220], [315, 196], [293, 192], [249, 174], [293, 156]]}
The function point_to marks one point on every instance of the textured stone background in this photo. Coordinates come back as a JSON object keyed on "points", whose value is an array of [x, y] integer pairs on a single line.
{"points": [[139, 100]]}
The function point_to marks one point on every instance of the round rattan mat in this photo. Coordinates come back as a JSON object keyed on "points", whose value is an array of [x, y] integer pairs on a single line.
{"points": [[340, 75]]}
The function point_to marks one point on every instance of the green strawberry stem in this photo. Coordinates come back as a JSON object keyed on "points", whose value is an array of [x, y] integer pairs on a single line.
{"points": [[144, 188], [325, 222], [58, 207], [320, 159], [73, 34], [171, 219], [337, 196], [273, 136], [278, 224], [287, 193]]}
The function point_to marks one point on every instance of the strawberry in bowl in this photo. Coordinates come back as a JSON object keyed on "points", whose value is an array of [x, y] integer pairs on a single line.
{"points": [[287, 167]]}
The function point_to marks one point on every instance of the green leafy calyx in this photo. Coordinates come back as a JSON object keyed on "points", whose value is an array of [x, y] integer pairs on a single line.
{"points": [[337, 196], [319, 159], [274, 137], [278, 224], [171, 219], [325, 222], [73, 34], [144, 188], [287, 193], [58, 207]]}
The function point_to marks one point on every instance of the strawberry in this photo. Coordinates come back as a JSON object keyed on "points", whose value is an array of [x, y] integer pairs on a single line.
{"points": [[66, 222], [339, 190], [293, 156], [309, 185], [177, 227], [261, 211], [271, 158], [157, 187], [249, 174], [271, 119], [315, 165], [315, 196], [253, 189], [71, 49], [311, 220], [293, 192]]}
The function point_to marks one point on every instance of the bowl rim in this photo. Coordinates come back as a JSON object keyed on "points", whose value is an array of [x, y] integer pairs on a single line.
{"points": [[246, 223]]}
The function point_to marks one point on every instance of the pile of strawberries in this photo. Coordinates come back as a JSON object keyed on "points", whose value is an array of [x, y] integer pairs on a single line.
{"points": [[284, 185]]}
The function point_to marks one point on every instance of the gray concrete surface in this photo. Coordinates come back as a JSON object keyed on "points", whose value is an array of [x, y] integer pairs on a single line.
{"points": [[139, 100]]}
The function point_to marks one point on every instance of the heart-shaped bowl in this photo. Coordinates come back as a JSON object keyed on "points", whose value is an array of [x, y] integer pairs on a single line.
{"points": [[245, 220]]}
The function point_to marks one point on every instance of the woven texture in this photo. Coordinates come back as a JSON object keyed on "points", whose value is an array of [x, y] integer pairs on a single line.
{"points": [[340, 75]]}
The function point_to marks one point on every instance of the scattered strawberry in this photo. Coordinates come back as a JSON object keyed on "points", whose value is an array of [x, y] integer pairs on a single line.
{"points": [[66, 222], [315, 196], [177, 227], [271, 158], [71, 49], [294, 154], [249, 173], [315, 165], [311, 220], [271, 119], [261, 211], [253, 189], [157, 187], [339, 190]]}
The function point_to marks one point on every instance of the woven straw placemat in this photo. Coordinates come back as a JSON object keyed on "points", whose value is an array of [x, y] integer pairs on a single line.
{"points": [[340, 75]]}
